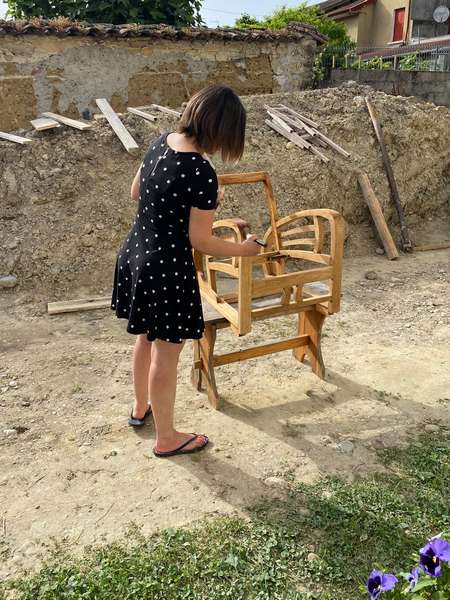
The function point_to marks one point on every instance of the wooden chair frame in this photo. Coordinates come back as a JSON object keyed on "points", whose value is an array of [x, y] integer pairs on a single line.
{"points": [[275, 279], [255, 297]]}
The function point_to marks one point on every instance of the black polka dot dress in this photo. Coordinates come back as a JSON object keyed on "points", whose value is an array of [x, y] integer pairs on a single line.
{"points": [[155, 283]]}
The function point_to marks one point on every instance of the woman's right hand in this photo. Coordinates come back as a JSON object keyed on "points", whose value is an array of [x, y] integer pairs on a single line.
{"points": [[250, 247]]}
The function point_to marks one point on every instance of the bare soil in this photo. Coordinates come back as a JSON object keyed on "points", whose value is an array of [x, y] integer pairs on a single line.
{"points": [[73, 470]]}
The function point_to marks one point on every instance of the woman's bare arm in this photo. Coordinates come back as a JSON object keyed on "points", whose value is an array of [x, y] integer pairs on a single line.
{"points": [[202, 238], [135, 186]]}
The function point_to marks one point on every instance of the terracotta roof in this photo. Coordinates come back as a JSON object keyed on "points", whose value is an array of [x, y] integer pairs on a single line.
{"points": [[60, 27]]}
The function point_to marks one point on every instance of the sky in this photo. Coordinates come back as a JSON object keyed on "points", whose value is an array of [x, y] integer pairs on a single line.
{"points": [[216, 12]]}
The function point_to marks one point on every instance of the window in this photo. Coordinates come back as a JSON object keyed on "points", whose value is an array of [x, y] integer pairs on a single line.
{"points": [[399, 23]]}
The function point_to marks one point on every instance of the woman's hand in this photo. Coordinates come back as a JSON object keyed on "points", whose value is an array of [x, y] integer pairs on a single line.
{"points": [[250, 247]]}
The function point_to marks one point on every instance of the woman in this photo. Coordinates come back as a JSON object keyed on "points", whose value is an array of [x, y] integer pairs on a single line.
{"points": [[155, 285]]}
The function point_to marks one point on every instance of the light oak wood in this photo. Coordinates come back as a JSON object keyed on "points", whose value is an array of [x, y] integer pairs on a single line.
{"points": [[44, 123], [377, 216], [117, 126], [166, 110], [272, 285], [240, 355], [140, 113], [244, 294], [17, 139], [66, 306], [67, 121]]}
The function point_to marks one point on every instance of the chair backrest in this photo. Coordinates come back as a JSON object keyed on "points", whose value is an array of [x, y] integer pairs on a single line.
{"points": [[255, 177]]}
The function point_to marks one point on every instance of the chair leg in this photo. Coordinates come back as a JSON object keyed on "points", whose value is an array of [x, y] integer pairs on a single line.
{"points": [[206, 345], [196, 372], [310, 322]]}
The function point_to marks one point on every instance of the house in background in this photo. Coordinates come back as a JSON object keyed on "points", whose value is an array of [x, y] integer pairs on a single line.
{"points": [[390, 23]]}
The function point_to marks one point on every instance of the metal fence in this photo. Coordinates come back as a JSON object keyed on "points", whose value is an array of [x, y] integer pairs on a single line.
{"points": [[434, 59]]}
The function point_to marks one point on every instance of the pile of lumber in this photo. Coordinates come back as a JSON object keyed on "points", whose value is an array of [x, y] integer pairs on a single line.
{"points": [[301, 131]]}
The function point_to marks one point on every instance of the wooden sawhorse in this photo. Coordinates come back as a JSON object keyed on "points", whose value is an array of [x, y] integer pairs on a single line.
{"points": [[306, 343]]}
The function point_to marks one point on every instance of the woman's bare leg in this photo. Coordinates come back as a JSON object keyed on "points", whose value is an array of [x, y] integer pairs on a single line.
{"points": [[142, 355], [163, 387]]}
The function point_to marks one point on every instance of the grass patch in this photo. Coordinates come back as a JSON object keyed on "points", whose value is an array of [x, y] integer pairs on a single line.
{"points": [[319, 542]]}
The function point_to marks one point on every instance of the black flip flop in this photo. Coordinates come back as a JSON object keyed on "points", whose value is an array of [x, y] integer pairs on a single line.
{"points": [[135, 422], [180, 450]]}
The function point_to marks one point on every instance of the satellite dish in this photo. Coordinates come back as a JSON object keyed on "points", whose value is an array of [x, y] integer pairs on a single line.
{"points": [[441, 14]]}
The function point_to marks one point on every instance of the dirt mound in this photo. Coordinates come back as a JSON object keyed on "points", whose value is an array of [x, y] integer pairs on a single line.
{"points": [[65, 204]]}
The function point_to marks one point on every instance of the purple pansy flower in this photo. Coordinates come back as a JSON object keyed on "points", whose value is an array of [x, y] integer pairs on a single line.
{"points": [[432, 554], [379, 582], [413, 578]]}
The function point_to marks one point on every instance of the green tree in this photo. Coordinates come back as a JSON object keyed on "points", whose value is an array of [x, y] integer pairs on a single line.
{"points": [[178, 13], [335, 31]]}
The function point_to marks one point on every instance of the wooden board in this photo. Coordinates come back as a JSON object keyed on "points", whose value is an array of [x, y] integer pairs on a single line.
{"points": [[167, 111], [56, 308], [429, 247], [297, 140], [118, 127], [404, 233], [377, 216], [332, 144], [66, 121], [231, 357], [140, 113], [298, 115], [10, 137], [44, 123]]}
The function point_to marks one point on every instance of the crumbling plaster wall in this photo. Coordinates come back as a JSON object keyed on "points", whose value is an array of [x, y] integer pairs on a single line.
{"points": [[65, 75]]}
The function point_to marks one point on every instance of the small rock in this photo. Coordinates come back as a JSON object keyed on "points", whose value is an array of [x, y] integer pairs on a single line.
{"points": [[25, 403], [290, 145], [12, 383], [380, 251], [371, 275], [432, 428], [345, 446], [10, 432], [228, 456], [312, 557], [8, 281]]}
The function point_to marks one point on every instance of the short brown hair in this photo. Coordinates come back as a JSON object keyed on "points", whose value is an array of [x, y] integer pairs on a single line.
{"points": [[215, 118]]}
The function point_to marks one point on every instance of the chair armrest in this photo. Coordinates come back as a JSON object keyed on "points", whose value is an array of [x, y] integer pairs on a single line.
{"points": [[238, 226]]}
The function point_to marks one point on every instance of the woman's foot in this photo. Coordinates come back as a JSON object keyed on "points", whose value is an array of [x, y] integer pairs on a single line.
{"points": [[180, 443], [138, 416]]}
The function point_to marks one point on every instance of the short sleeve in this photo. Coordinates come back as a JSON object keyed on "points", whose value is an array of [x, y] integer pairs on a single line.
{"points": [[204, 187]]}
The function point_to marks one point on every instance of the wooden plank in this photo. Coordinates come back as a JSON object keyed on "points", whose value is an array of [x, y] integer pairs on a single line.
{"points": [[237, 178], [140, 113], [274, 284], [278, 119], [428, 247], [44, 123], [240, 355], [377, 216], [56, 308], [10, 137], [324, 259], [332, 144], [288, 309], [306, 120], [66, 121], [404, 233], [296, 139], [292, 137], [166, 110], [296, 123], [118, 127]]}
